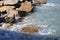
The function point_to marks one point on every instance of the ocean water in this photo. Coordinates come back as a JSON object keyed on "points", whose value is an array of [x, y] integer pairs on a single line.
{"points": [[46, 16]]}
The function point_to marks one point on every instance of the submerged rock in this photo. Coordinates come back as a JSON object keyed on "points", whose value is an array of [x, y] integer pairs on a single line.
{"points": [[31, 29]]}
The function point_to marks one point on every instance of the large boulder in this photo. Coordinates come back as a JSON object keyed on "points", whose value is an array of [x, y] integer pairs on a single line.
{"points": [[26, 6], [11, 2], [31, 29]]}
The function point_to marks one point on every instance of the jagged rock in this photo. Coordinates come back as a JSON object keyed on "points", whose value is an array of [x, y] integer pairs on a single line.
{"points": [[11, 2], [26, 6], [5, 8], [30, 29]]}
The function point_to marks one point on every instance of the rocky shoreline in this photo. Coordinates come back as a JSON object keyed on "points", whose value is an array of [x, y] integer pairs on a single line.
{"points": [[12, 10]]}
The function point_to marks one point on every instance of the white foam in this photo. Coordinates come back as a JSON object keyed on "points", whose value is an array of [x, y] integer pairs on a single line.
{"points": [[50, 4], [47, 32], [43, 26], [47, 5]]}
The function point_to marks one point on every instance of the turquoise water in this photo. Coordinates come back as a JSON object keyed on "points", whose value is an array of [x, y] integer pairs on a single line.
{"points": [[47, 16]]}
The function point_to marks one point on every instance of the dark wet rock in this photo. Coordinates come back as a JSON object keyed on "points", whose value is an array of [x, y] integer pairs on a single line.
{"points": [[22, 13], [2, 19], [29, 1], [4, 12]]}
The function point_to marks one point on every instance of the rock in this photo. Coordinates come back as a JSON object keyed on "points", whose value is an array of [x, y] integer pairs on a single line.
{"points": [[10, 19], [1, 3], [22, 13], [6, 26], [29, 1], [42, 1], [2, 19], [25, 0], [11, 13], [38, 2], [30, 29], [5, 8], [21, 0], [11, 2], [4, 12], [26, 6]]}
